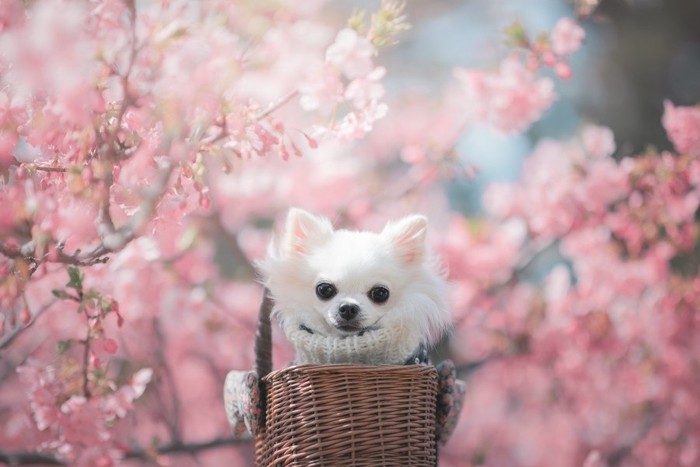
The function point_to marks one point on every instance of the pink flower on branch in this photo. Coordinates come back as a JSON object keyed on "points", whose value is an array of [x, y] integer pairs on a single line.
{"points": [[549, 50], [566, 37], [323, 88], [351, 54], [348, 78], [682, 125], [509, 99], [563, 187], [79, 425]]}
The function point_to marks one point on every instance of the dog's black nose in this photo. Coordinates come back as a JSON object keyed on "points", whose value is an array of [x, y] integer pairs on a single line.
{"points": [[348, 311]]}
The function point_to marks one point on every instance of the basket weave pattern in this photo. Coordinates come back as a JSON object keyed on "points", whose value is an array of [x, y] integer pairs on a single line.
{"points": [[349, 415]]}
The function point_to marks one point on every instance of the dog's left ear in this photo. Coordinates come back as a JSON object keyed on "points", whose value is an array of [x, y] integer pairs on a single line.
{"points": [[303, 229], [407, 237]]}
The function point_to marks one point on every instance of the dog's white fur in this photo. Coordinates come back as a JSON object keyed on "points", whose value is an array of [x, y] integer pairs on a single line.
{"points": [[309, 251]]}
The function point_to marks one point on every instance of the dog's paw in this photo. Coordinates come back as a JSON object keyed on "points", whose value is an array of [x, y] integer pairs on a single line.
{"points": [[242, 401], [419, 357], [451, 392]]}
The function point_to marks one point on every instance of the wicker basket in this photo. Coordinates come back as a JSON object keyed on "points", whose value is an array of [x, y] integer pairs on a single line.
{"points": [[344, 415]]}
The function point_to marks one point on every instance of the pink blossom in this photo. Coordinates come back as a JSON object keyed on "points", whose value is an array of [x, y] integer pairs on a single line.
{"points": [[71, 222], [366, 91], [594, 459], [682, 126], [8, 141], [510, 99], [498, 199], [120, 403], [110, 346], [605, 183], [139, 380], [321, 89], [10, 14], [557, 290], [357, 124], [566, 37], [351, 53], [563, 70], [12, 114], [598, 141], [493, 252]]}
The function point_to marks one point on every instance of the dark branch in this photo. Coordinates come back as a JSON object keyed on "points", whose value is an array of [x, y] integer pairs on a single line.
{"points": [[172, 448], [45, 168], [468, 368], [14, 333], [276, 105], [86, 363], [618, 455], [28, 458], [178, 447], [174, 424], [10, 252]]}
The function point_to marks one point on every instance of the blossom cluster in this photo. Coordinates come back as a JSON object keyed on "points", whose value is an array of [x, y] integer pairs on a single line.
{"points": [[606, 340], [73, 425]]}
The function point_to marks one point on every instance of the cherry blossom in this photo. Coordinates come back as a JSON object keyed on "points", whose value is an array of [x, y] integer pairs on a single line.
{"points": [[351, 53], [566, 37], [682, 125], [510, 99]]}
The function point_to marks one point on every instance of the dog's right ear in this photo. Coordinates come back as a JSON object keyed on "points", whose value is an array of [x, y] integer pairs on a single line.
{"points": [[301, 230], [407, 238]]}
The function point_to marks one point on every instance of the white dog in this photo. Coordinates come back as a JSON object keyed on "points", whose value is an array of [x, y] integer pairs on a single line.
{"points": [[354, 296]]}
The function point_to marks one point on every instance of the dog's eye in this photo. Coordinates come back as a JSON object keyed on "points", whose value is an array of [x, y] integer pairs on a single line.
{"points": [[326, 291], [378, 294]]}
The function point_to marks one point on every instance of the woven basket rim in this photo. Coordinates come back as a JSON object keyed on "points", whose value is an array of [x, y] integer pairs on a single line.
{"points": [[355, 368], [382, 366]]}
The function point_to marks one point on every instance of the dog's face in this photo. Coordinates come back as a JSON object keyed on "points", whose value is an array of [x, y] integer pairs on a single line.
{"points": [[358, 278], [346, 282]]}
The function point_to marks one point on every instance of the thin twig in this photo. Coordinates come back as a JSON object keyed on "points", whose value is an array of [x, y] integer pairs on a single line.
{"points": [[179, 447], [44, 168], [174, 425], [11, 253], [466, 369], [86, 362], [29, 458], [14, 333], [619, 454], [171, 448], [276, 105], [116, 239]]}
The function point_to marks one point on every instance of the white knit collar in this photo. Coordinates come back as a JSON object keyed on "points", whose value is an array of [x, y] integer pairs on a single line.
{"points": [[373, 347]]}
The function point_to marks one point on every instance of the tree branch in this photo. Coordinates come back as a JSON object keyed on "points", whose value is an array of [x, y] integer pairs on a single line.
{"points": [[179, 447], [466, 369], [86, 362], [112, 239], [172, 448], [617, 456], [29, 458], [174, 425], [12, 335], [276, 105], [46, 168]]}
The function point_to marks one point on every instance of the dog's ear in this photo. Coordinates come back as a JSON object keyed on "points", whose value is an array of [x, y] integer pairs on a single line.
{"points": [[407, 237], [302, 230]]}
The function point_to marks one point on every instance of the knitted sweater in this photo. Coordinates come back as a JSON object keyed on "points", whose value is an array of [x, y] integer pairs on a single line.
{"points": [[372, 347]]}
